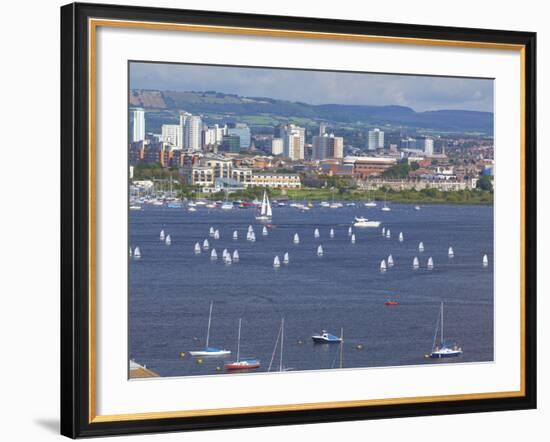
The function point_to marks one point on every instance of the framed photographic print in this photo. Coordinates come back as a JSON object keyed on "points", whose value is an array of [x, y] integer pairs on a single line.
{"points": [[280, 220]]}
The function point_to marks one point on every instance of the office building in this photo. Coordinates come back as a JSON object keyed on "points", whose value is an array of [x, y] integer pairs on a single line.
{"points": [[375, 139], [243, 132], [172, 134]]}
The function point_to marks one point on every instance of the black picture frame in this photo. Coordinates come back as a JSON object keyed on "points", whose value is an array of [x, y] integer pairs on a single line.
{"points": [[75, 220]]}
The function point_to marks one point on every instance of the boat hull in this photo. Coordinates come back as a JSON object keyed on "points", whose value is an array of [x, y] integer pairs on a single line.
{"points": [[210, 353], [367, 224], [322, 340], [241, 366], [446, 354]]}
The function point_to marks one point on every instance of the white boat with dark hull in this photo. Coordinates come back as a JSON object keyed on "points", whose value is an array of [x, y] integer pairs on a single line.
{"points": [[326, 338], [266, 213], [443, 349], [210, 351], [360, 221]]}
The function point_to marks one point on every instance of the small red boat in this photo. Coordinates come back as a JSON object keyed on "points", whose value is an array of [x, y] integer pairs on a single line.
{"points": [[246, 364], [391, 303]]}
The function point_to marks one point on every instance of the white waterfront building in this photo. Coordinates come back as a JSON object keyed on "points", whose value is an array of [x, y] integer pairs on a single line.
{"points": [[137, 122]]}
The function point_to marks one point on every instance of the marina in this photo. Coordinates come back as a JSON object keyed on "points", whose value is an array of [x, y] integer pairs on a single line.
{"points": [[171, 288]]}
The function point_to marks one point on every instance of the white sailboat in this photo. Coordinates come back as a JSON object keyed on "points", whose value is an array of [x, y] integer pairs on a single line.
{"points": [[137, 253], [250, 229], [205, 245], [130, 252], [383, 231], [224, 253], [451, 252], [485, 260], [211, 232], [388, 234], [370, 202], [286, 258], [385, 208], [350, 231], [213, 255], [401, 238], [252, 236], [210, 351], [352, 238], [331, 233], [390, 261], [421, 247], [296, 239], [168, 240], [197, 249], [430, 264], [266, 212], [216, 234], [320, 250], [264, 231], [161, 236], [316, 233], [235, 235], [383, 266], [227, 260], [416, 263], [236, 257], [276, 262], [444, 349]]}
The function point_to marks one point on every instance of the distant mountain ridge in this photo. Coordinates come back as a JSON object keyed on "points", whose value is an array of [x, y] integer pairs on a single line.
{"points": [[220, 103]]}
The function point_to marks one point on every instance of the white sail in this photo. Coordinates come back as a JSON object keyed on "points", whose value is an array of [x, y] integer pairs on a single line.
{"points": [[421, 247], [416, 264], [216, 234], [390, 261], [227, 259], [235, 235], [205, 245], [252, 237], [353, 238], [350, 231], [383, 231], [388, 233], [250, 229], [211, 232], [224, 253], [213, 254], [451, 252], [264, 231], [268, 210], [296, 239], [137, 253], [320, 251], [286, 258], [161, 236], [383, 266], [485, 260], [130, 252], [401, 238], [276, 262], [168, 240], [430, 264], [197, 249], [236, 255], [316, 233], [332, 233]]}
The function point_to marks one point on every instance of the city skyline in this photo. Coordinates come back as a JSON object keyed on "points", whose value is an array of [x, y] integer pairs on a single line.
{"points": [[421, 93]]}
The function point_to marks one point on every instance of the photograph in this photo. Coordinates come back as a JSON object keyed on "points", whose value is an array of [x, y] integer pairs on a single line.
{"points": [[285, 219]]}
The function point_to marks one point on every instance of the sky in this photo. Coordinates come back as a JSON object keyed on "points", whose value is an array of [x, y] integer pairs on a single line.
{"points": [[422, 93]]}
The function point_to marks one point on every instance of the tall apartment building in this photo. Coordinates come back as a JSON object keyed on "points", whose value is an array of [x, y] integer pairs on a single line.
{"points": [[193, 132], [277, 146], [172, 134], [137, 124], [294, 142], [429, 146], [375, 139]]}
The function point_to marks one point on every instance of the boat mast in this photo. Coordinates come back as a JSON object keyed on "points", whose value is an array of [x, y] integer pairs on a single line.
{"points": [[209, 322], [436, 330], [282, 342], [274, 350], [239, 341], [442, 324], [341, 345]]}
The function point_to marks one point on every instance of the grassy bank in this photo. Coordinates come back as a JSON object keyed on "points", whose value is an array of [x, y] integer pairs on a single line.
{"points": [[425, 196]]}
